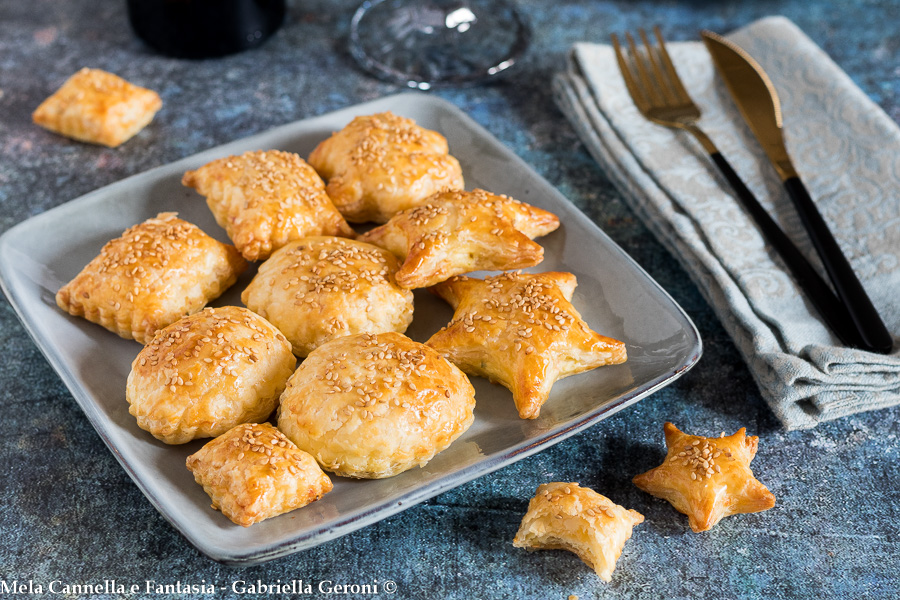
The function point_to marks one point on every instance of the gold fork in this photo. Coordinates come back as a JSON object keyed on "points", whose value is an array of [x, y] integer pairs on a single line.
{"points": [[659, 95], [656, 88]]}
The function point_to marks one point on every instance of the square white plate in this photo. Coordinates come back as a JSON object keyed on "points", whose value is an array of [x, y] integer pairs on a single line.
{"points": [[614, 295]]}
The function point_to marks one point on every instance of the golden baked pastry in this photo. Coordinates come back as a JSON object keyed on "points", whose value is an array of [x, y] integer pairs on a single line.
{"points": [[566, 516], [381, 164], [155, 273], [707, 478], [98, 107], [253, 472], [208, 372], [457, 232], [318, 288], [265, 199], [372, 406], [521, 330]]}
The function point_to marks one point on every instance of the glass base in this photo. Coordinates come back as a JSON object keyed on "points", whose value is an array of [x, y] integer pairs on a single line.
{"points": [[425, 44]]}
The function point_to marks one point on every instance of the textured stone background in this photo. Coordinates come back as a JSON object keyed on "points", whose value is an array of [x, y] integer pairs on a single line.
{"points": [[70, 513]]}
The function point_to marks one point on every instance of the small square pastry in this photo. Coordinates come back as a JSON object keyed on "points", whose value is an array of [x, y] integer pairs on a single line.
{"points": [[319, 288], [373, 406], [381, 164], [98, 107], [253, 472], [707, 478], [265, 199], [521, 330], [566, 516], [208, 372], [155, 273], [458, 232]]}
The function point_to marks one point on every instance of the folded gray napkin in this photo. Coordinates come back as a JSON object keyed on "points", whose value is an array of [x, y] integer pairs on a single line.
{"points": [[847, 151]]}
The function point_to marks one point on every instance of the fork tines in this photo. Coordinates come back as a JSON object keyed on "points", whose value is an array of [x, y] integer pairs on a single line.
{"points": [[649, 73]]}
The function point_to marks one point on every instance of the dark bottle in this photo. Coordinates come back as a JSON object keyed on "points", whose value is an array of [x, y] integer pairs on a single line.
{"points": [[205, 28]]}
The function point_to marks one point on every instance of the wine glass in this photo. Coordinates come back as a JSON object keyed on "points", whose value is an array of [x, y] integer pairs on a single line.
{"points": [[428, 43]]}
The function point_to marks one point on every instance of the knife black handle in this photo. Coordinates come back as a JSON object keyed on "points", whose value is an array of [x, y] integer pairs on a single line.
{"points": [[833, 312], [871, 328]]}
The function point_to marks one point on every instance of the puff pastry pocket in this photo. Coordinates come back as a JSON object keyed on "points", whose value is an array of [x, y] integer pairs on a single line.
{"points": [[458, 232], [381, 164], [320, 288], [208, 372], [566, 516], [265, 199], [98, 107], [151, 276], [253, 472], [373, 406], [521, 330], [707, 479]]}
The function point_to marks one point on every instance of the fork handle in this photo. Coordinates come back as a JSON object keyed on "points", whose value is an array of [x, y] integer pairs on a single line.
{"points": [[871, 328], [821, 296]]}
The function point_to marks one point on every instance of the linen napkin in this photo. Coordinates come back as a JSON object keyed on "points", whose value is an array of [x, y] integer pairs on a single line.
{"points": [[847, 151]]}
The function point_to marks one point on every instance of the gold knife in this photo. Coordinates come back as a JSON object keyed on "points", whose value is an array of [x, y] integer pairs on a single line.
{"points": [[756, 98]]}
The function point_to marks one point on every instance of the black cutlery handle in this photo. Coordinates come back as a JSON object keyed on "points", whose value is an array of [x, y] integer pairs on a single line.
{"points": [[871, 328], [817, 291]]}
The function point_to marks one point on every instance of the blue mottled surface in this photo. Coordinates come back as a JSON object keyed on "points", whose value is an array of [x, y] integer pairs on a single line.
{"points": [[70, 513]]}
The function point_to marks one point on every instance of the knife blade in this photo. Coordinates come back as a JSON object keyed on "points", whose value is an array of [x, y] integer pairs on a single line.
{"points": [[757, 100]]}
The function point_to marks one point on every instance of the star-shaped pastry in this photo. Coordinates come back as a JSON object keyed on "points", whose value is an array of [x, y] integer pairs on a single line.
{"points": [[459, 232], [707, 478], [566, 516], [521, 330]]}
